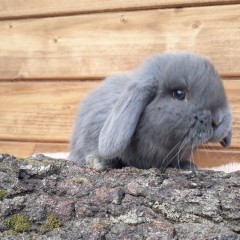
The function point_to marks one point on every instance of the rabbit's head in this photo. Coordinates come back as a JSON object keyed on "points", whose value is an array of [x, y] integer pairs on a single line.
{"points": [[173, 98]]}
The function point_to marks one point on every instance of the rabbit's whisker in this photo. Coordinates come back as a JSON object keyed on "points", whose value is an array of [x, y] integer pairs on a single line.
{"points": [[179, 158], [192, 155], [211, 145], [163, 161], [183, 144], [181, 155]]}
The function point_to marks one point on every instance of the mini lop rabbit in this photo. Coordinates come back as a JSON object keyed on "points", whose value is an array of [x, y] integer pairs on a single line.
{"points": [[155, 116]]}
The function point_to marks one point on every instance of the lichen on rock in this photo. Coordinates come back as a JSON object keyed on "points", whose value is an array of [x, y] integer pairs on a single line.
{"points": [[18, 223], [45, 198], [2, 194], [51, 223]]}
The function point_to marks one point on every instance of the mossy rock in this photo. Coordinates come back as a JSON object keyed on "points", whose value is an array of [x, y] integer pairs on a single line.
{"points": [[44, 160], [18, 223], [52, 223], [81, 180], [2, 194]]}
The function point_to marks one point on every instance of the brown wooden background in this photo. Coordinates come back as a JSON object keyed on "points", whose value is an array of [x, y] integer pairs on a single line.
{"points": [[52, 53]]}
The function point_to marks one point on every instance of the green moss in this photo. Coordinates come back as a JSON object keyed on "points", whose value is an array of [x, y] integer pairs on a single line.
{"points": [[51, 223], [104, 223], [28, 161], [32, 162], [50, 162], [38, 162], [2, 194], [18, 223], [81, 180], [21, 159]]}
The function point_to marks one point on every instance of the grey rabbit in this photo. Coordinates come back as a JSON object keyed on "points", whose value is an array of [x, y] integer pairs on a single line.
{"points": [[155, 116]]}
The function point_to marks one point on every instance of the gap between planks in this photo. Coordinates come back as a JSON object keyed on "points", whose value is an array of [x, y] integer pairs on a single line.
{"points": [[119, 9], [84, 79]]}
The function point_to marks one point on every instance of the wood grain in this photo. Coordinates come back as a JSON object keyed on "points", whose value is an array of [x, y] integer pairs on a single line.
{"points": [[40, 112], [233, 93], [209, 158], [45, 112], [26, 149], [93, 46], [29, 8]]}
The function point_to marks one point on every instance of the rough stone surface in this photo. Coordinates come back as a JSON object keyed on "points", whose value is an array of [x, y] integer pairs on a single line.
{"points": [[126, 203]]}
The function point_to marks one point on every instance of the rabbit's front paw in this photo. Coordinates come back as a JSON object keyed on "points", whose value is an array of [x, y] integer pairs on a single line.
{"points": [[93, 162]]}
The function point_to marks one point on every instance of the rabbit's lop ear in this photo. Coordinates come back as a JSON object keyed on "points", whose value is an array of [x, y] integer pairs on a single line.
{"points": [[120, 125]]}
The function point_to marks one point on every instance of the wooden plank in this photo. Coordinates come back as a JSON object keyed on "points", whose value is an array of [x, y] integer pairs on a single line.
{"points": [[26, 149], [207, 158], [233, 93], [29, 8], [45, 112], [96, 45], [40, 112]]}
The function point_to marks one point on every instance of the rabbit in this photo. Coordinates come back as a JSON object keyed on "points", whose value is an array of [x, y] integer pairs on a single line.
{"points": [[153, 117]]}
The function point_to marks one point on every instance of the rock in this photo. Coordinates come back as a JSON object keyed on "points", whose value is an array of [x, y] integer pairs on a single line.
{"points": [[44, 198]]}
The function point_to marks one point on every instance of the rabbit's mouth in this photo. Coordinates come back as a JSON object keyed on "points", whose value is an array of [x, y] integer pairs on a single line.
{"points": [[203, 131], [224, 141], [222, 132], [195, 138]]}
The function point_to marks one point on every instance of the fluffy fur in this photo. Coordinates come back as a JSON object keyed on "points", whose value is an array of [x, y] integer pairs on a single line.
{"points": [[133, 119]]}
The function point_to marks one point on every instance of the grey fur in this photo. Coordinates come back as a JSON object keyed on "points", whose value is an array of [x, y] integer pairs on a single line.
{"points": [[133, 120]]}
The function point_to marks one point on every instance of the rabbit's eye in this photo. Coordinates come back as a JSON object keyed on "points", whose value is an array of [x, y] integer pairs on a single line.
{"points": [[179, 94]]}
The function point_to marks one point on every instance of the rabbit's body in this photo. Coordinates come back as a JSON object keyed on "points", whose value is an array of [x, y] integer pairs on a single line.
{"points": [[155, 116], [92, 115]]}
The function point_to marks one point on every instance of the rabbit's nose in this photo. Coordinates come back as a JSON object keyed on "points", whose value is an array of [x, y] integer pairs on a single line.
{"points": [[204, 118]]}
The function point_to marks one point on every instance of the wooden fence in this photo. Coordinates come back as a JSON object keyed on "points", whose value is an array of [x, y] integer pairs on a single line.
{"points": [[52, 53]]}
